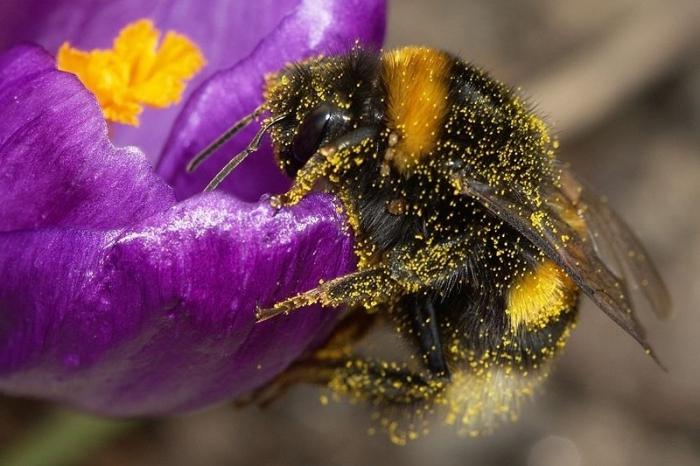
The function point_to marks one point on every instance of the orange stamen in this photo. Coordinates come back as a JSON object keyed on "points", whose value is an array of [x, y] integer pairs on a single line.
{"points": [[137, 71]]}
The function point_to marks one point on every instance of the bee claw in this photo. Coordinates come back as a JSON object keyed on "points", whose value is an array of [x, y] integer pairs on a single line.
{"points": [[276, 202], [281, 200], [260, 314], [263, 314]]}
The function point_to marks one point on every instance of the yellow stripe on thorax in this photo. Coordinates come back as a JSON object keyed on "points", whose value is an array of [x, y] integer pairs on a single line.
{"points": [[416, 80]]}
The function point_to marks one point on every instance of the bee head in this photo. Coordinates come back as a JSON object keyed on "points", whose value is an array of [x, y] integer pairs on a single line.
{"points": [[322, 99]]}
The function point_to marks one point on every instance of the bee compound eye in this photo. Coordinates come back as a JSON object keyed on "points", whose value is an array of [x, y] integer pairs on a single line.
{"points": [[315, 130]]}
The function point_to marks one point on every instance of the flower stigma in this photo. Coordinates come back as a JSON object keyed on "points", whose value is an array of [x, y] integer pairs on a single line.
{"points": [[136, 71]]}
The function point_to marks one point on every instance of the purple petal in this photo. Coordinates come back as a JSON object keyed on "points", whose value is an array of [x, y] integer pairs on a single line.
{"points": [[226, 31], [58, 166], [313, 27], [116, 300], [159, 318]]}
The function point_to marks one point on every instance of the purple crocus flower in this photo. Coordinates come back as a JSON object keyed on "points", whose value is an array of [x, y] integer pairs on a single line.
{"points": [[120, 291]]}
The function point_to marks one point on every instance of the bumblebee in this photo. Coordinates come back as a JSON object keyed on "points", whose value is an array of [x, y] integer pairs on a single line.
{"points": [[471, 238]]}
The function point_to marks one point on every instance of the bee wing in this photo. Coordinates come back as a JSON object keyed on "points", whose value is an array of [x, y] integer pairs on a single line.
{"points": [[561, 242], [605, 226]]}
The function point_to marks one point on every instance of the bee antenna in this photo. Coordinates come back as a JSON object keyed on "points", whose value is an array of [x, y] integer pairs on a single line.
{"points": [[241, 156], [205, 153]]}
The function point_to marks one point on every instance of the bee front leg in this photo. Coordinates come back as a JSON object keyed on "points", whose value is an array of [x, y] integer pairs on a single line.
{"points": [[316, 168], [327, 162]]}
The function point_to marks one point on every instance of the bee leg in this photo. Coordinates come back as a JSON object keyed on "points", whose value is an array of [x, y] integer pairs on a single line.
{"points": [[405, 271], [380, 383], [367, 287], [316, 168], [328, 159], [318, 367], [386, 383], [421, 311], [333, 365]]}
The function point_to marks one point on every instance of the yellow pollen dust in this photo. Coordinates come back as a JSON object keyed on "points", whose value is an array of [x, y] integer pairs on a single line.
{"points": [[136, 71], [539, 296]]}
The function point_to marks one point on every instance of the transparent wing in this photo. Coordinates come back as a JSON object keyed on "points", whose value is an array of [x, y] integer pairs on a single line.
{"points": [[606, 227], [570, 247]]}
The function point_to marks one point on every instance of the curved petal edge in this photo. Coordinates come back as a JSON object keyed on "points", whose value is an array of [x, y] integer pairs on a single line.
{"points": [[159, 319]]}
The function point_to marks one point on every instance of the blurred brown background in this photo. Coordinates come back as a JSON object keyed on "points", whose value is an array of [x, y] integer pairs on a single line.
{"points": [[620, 82]]}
